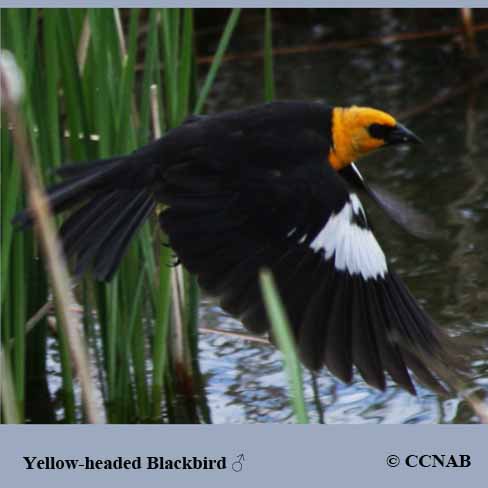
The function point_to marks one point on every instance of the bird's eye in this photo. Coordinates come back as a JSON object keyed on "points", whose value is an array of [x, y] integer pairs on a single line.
{"points": [[379, 131]]}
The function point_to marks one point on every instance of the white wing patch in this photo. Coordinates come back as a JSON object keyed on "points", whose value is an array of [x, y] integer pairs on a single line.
{"points": [[355, 249]]}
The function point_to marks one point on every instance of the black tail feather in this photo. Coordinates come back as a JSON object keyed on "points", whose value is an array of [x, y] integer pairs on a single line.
{"points": [[85, 168], [66, 194], [111, 203], [77, 230], [113, 249]]}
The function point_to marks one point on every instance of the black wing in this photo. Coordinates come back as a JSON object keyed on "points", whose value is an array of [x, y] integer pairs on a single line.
{"points": [[409, 219], [227, 221]]}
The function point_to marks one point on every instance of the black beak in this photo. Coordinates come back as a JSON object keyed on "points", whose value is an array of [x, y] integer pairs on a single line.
{"points": [[401, 135]]}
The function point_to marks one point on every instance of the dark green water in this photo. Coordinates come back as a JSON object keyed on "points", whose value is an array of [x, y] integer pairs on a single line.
{"points": [[446, 178]]}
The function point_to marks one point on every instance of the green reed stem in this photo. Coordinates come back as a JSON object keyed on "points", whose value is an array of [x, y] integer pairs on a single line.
{"points": [[284, 339]]}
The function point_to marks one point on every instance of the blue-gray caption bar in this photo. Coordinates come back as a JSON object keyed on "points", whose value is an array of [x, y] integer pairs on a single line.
{"points": [[156, 456]]}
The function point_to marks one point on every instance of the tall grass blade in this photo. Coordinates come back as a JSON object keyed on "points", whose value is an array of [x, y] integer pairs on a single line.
{"points": [[282, 334], [151, 61], [9, 411], [269, 84], [186, 64], [217, 60]]}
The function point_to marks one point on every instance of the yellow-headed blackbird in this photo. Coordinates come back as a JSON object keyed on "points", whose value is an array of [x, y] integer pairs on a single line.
{"points": [[271, 186]]}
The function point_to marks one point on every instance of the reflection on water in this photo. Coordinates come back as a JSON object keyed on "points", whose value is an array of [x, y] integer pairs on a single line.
{"points": [[446, 177], [246, 383]]}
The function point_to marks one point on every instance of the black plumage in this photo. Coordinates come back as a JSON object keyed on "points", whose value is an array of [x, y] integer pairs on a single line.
{"points": [[253, 189]]}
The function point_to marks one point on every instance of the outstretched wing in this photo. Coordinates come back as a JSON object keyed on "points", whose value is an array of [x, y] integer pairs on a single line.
{"points": [[346, 306]]}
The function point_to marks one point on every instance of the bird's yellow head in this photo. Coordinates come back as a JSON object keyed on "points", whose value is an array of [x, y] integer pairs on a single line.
{"points": [[356, 131]]}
